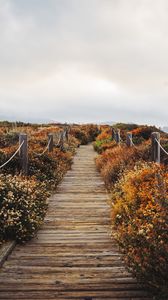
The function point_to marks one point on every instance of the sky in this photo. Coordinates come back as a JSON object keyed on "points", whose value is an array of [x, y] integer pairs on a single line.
{"points": [[84, 61]]}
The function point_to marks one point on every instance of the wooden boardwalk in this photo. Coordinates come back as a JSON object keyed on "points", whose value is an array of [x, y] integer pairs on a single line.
{"points": [[74, 256]]}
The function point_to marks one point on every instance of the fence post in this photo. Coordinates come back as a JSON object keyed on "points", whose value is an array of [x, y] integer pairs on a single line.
{"points": [[23, 153], [66, 134], [62, 140], [129, 139], [51, 139], [117, 136], [155, 147], [113, 133]]}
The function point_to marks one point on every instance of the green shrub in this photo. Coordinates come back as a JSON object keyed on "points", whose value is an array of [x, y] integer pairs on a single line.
{"points": [[102, 145]]}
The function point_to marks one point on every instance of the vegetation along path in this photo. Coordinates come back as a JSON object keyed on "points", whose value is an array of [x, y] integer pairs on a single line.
{"points": [[74, 256]]}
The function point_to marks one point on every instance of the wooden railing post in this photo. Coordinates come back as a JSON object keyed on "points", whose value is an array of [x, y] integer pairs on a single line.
{"points": [[117, 136], [129, 139], [113, 133], [51, 143], [66, 134], [155, 147], [23, 153], [62, 140]]}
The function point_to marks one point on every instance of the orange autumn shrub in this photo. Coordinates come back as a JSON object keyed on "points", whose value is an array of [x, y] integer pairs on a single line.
{"points": [[103, 145], [142, 133], [104, 135], [49, 167], [124, 128], [92, 131], [80, 135], [84, 133], [2, 130], [113, 162], [23, 201], [104, 141], [164, 157], [140, 217], [14, 166]]}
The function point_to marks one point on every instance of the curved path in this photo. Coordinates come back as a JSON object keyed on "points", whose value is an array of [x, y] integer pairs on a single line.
{"points": [[74, 256]]}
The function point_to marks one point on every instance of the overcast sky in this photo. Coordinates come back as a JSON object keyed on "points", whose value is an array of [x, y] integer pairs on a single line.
{"points": [[84, 60]]}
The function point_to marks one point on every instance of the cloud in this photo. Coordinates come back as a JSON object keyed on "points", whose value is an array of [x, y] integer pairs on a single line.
{"points": [[84, 60]]}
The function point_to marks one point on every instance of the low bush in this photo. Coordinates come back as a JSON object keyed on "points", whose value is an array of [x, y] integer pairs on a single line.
{"points": [[92, 132], [140, 216], [139, 203], [85, 133], [104, 135], [164, 157], [102, 145], [125, 127], [50, 167], [80, 135], [113, 162], [14, 166], [104, 141], [8, 139], [23, 200], [142, 133], [23, 204]]}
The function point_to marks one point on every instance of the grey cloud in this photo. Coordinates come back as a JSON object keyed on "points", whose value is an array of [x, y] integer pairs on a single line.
{"points": [[111, 42]]}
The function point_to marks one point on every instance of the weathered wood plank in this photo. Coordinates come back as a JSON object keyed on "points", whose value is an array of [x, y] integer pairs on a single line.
{"points": [[74, 255], [5, 251]]}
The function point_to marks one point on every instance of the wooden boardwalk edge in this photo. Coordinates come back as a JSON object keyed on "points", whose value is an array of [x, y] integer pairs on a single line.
{"points": [[74, 255], [5, 251]]}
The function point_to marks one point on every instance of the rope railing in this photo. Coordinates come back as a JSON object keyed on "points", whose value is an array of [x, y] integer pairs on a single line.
{"points": [[155, 144], [45, 150], [14, 154], [64, 134], [161, 147], [59, 140], [131, 142], [61, 137], [23, 149], [121, 140]]}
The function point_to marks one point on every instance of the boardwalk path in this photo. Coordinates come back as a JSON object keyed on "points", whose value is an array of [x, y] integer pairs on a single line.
{"points": [[74, 256]]}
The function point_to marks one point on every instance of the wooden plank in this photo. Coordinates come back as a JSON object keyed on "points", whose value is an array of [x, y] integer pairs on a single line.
{"points": [[74, 255], [5, 251]]}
